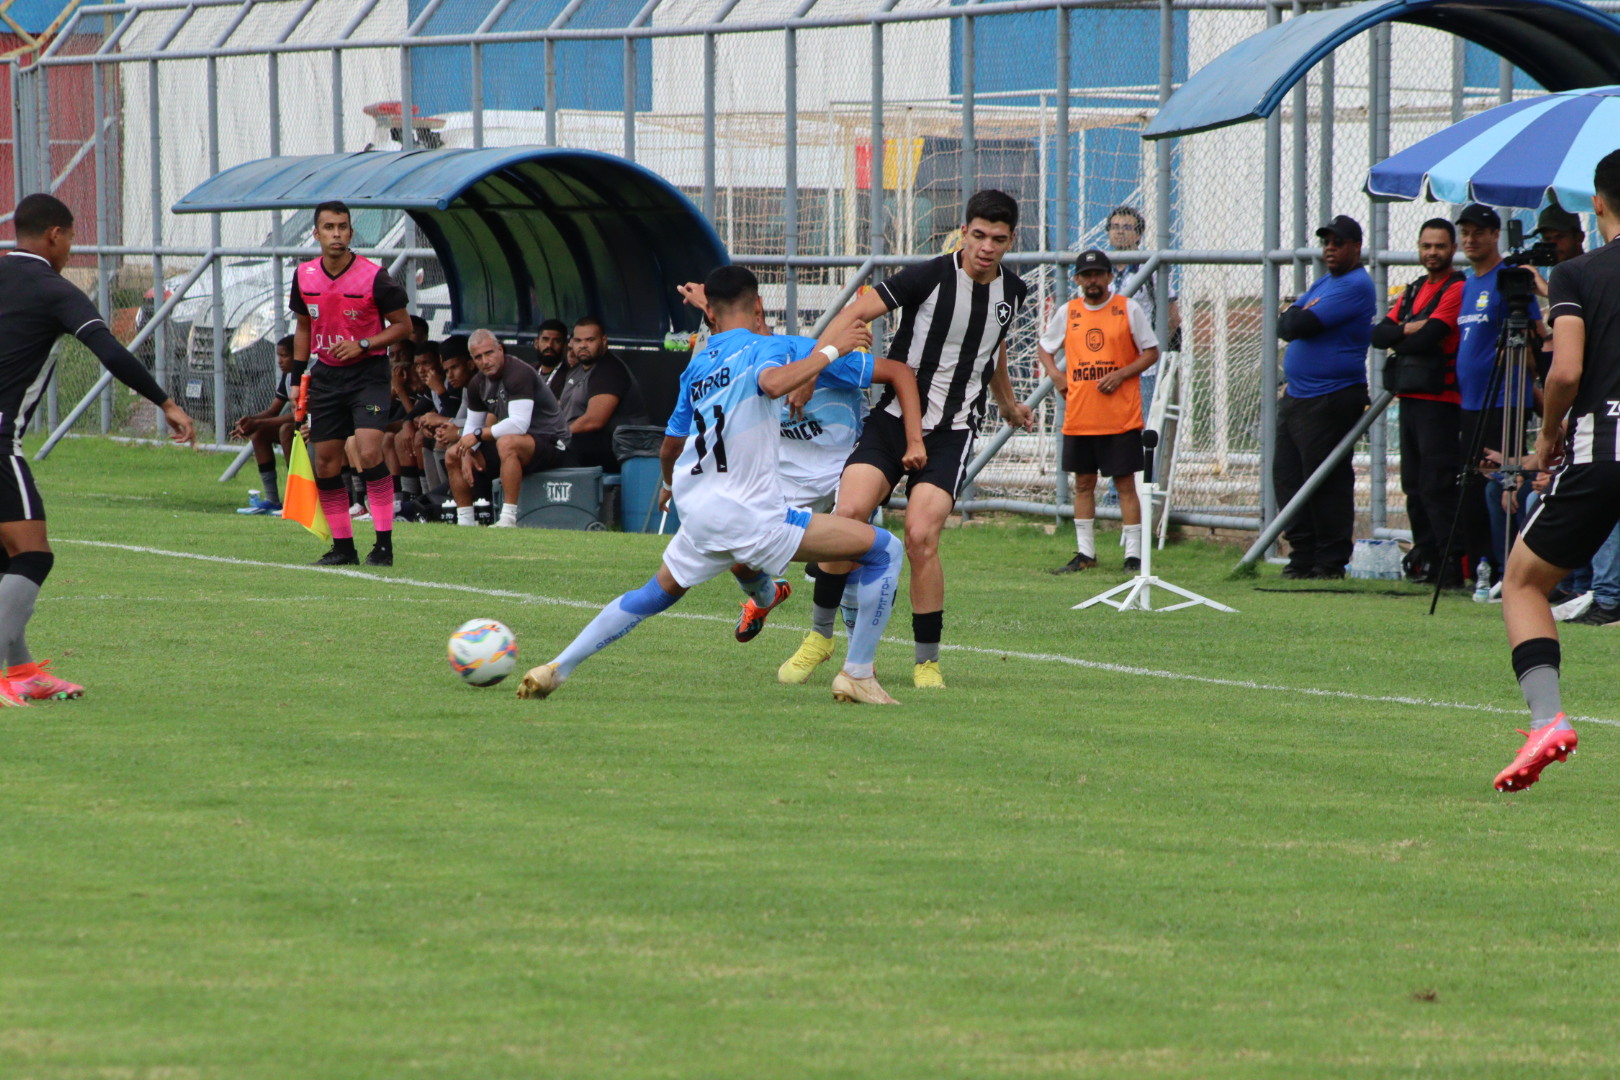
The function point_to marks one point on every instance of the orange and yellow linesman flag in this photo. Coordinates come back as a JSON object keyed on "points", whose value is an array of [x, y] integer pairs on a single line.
{"points": [[302, 502]]}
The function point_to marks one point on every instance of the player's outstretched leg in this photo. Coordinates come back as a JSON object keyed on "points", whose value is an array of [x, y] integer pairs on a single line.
{"points": [[764, 593], [25, 573], [817, 647], [877, 581], [612, 623], [1536, 658]]}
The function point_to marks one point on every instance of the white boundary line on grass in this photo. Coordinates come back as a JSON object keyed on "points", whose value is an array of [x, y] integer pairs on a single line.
{"points": [[1044, 658]]}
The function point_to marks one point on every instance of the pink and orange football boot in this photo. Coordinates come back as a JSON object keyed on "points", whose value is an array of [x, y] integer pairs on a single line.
{"points": [[1542, 747], [34, 682]]}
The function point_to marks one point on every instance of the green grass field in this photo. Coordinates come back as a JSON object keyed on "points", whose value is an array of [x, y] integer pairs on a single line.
{"points": [[278, 839]]}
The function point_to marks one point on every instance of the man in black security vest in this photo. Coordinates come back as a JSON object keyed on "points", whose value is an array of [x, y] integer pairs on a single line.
{"points": [[1421, 334]]}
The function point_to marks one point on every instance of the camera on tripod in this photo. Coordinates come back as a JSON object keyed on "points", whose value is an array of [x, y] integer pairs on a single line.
{"points": [[1541, 253]]}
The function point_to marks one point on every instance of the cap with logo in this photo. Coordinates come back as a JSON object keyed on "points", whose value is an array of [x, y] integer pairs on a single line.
{"points": [[1481, 215], [1344, 227], [1093, 260]]}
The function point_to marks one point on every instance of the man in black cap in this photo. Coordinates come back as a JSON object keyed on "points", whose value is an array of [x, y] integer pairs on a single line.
{"points": [[1328, 331], [1479, 231], [1107, 343]]}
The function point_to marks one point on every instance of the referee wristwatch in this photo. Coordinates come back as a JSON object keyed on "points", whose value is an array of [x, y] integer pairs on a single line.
{"points": [[365, 344]]}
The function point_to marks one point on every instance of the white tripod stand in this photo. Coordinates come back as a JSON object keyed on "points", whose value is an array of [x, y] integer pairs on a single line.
{"points": [[1139, 590]]}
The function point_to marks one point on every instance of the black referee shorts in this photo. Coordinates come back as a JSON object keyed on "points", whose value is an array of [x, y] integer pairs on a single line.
{"points": [[19, 498], [883, 445], [343, 400], [1576, 515]]}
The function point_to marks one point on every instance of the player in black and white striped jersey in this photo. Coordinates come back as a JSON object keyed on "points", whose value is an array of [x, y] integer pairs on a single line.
{"points": [[955, 312], [37, 306], [1582, 506]]}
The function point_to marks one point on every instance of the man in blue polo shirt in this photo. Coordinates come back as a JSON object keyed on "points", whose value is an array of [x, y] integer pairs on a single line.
{"points": [[1328, 331], [1479, 231]]}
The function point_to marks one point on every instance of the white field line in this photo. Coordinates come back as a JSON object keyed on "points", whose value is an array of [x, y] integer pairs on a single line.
{"points": [[1043, 658]]}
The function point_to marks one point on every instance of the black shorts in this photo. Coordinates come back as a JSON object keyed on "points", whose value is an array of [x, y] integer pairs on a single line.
{"points": [[343, 400], [1103, 455], [547, 456], [883, 444], [1576, 515], [19, 498]]}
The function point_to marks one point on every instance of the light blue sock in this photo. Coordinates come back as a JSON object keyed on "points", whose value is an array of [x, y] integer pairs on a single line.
{"points": [[850, 603], [761, 588], [612, 623], [877, 581]]}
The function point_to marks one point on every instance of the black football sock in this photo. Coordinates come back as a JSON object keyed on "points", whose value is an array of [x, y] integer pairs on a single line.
{"points": [[829, 593], [926, 628]]}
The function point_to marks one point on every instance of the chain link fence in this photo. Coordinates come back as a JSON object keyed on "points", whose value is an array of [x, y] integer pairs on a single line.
{"points": [[771, 116]]}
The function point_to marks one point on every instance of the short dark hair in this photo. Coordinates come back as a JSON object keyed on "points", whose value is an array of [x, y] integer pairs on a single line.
{"points": [[38, 213], [418, 324], [1130, 212], [428, 348], [332, 206], [453, 346], [1442, 224], [729, 286], [591, 320], [1605, 181], [552, 324], [992, 205], [285, 343]]}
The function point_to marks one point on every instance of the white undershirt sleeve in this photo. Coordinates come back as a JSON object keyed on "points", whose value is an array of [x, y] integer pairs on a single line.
{"points": [[473, 422], [1141, 330], [519, 411]]}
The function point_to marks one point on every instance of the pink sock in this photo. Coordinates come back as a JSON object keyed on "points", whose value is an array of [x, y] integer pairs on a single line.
{"points": [[335, 505], [380, 499]]}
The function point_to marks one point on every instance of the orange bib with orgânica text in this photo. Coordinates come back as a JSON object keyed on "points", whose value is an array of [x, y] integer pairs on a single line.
{"points": [[1096, 343]]}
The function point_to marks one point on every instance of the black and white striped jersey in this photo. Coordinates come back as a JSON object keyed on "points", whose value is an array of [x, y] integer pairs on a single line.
{"points": [[950, 333], [1588, 287]]}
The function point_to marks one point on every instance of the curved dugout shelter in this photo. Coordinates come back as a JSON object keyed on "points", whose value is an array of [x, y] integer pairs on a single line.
{"points": [[523, 234], [1562, 44]]}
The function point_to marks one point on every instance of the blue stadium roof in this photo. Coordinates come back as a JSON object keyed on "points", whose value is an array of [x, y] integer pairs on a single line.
{"points": [[1562, 44], [523, 233]]}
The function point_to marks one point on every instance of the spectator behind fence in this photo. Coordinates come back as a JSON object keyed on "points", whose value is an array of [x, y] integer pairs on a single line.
{"points": [[1126, 230], [1328, 331], [551, 346], [513, 427], [1421, 334], [270, 428], [1107, 343], [597, 394], [1479, 230]]}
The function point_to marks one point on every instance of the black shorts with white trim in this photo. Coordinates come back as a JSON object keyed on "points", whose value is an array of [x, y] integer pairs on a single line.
{"points": [[1576, 515], [19, 498], [883, 445]]}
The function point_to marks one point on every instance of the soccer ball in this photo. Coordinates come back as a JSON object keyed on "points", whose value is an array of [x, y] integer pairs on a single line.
{"points": [[483, 652]]}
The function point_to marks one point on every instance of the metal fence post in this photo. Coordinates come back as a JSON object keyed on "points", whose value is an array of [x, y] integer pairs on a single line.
{"points": [[216, 241], [160, 334], [1060, 174], [1269, 304], [1163, 152], [970, 143], [1302, 117], [790, 182], [103, 213], [1378, 150]]}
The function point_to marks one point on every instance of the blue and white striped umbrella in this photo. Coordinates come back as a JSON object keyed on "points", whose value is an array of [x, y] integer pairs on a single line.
{"points": [[1513, 155]]}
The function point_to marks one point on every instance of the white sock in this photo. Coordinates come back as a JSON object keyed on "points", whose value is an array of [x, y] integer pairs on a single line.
{"points": [[465, 516], [1085, 538], [1132, 535], [509, 512]]}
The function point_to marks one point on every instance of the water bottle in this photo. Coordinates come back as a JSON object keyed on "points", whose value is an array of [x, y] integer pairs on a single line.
{"points": [[1482, 583]]}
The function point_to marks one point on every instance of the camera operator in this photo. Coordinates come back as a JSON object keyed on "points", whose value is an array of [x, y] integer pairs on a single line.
{"points": [[1479, 229], [1421, 334], [1582, 506]]}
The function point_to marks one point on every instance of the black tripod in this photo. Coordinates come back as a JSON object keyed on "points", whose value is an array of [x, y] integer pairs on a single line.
{"points": [[1512, 368]]}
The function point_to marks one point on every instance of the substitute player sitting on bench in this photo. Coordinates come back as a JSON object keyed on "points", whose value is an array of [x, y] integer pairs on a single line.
{"points": [[1106, 344]]}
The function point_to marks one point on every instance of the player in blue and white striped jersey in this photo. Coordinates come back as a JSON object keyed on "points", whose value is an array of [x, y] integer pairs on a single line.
{"points": [[733, 510]]}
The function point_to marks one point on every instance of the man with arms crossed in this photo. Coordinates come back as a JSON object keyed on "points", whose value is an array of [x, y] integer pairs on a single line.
{"points": [[1582, 506], [1107, 343], [726, 483], [38, 305], [955, 312], [513, 425], [342, 302]]}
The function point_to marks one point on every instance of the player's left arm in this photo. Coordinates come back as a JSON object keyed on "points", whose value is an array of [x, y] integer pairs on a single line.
{"points": [[898, 375], [1013, 411], [79, 317]]}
